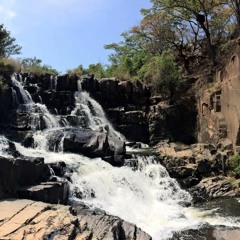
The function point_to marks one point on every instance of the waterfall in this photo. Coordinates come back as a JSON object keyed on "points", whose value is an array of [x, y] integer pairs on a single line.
{"points": [[21, 96], [53, 83], [89, 112], [146, 196]]}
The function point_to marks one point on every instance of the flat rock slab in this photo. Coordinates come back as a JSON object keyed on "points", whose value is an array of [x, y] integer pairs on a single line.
{"points": [[26, 219]]}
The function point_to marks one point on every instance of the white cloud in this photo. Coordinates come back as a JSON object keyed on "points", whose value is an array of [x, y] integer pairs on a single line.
{"points": [[7, 11]]}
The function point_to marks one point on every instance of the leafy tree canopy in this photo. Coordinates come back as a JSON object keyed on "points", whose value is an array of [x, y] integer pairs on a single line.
{"points": [[7, 43], [35, 66]]}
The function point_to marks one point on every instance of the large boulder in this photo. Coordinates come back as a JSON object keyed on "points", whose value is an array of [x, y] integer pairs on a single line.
{"points": [[94, 144], [17, 172]]}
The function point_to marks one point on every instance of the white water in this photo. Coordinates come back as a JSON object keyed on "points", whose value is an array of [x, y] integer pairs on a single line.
{"points": [[93, 113], [147, 197]]}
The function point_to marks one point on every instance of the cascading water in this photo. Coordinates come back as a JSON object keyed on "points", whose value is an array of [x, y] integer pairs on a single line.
{"points": [[146, 196], [91, 112], [21, 97]]}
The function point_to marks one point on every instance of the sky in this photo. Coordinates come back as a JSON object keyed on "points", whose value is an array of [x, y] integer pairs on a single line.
{"points": [[67, 33]]}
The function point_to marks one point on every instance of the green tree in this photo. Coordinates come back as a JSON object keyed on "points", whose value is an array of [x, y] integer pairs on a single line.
{"points": [[97, 70], [7, 43], [205, 19], [35, 66], [162, 72]]}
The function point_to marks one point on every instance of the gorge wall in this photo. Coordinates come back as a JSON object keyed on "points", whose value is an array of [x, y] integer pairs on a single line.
{"points": [[219, 107]]}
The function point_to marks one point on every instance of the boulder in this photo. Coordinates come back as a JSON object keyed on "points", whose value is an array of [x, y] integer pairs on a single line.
{"points": [[17, 172], [50, 192], [96, 224], [94, 144]]}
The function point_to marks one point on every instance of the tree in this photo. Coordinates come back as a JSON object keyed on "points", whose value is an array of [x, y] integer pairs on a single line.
{"points": [[162, 72], [205, 19], [7, 43], [235, 5], [35, 66]]}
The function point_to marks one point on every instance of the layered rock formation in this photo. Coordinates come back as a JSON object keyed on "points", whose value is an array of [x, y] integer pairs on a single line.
{"points": [[26, 219], [200, 168], [219, 112]]}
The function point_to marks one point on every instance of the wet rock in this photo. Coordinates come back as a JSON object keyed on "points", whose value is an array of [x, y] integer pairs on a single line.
{"points": [[87, 142], [95, 144], [58, 168], [18, 172], [99, 225], [50, 192]]}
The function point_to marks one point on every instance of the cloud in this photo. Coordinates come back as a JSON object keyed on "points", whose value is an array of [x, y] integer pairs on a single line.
{"points": [[7, 11]]}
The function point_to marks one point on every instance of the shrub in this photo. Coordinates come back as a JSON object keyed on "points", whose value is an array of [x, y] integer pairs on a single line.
{"points": [[235, 165], [3, 84], [8, 66], [35, 66], [162, 72]]}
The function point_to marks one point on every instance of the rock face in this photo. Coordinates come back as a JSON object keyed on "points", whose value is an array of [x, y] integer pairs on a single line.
{"points": [[21, 172], [26, 219], [219, 112], [140, 116], [200, 168], [29, 177], [128, 105]]}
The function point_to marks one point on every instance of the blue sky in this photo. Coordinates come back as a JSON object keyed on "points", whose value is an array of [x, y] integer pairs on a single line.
{"points": [[66, 33]]}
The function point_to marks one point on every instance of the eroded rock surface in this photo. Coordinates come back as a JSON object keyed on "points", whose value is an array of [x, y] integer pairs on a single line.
{"points": [[200, 168], [26, 219]]}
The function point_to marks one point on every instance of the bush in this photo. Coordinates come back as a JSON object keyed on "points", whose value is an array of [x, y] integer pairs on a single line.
{"points": [[9, 66], [162, 72], [35, 66], [235, 165], [3, 84]]}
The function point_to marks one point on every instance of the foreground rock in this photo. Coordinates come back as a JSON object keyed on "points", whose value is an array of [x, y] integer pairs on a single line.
{"points": [[25, 219]]}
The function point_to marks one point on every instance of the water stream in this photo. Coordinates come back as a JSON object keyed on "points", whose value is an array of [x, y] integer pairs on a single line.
{"points": [[145, 196]]}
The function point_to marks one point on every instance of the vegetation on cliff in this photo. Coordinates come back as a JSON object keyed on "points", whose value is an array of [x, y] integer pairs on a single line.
{"points": [[195, 33]]}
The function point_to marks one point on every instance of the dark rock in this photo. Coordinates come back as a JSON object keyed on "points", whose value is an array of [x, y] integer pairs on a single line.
{"points": [[21, 172], [204, 168], [94, 144], [103, 226], [58, 168], [50, 192]]}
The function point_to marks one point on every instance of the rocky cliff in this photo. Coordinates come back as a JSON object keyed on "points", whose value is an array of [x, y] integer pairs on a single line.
{"points": [[218, 106]]}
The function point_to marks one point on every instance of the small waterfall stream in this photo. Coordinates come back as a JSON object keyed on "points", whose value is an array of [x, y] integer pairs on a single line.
{"points": [[145, 196]]}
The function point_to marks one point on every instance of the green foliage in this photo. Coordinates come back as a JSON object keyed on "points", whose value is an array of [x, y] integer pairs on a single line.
{"points": [[96, 69], [7, 43], [35, 66], [162, 72], [78, 71], [235, 165], [8, 66], [3, 84]]}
